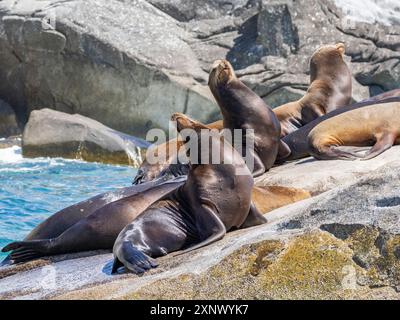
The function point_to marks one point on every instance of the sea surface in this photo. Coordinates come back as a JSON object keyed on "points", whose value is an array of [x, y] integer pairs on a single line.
{"points": [[33, 189]]}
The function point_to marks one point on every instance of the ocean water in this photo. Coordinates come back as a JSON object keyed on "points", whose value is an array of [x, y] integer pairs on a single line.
{"points": [[33, 189]]}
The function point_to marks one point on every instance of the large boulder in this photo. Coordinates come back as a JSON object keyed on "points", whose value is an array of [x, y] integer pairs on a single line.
{"points": [[51, 133], [130, 64], [8, 121], [344, 243]]}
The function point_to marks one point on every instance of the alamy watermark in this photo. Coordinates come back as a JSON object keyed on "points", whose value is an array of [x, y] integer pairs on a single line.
{"points": [[204, 146]]}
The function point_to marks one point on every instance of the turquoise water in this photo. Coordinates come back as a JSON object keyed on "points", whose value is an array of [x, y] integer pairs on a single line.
{"points": [[33, 189]]}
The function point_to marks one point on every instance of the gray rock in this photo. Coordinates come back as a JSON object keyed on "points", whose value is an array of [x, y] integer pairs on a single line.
{"points": [[50, 133], [130, 64], [8, 121]]}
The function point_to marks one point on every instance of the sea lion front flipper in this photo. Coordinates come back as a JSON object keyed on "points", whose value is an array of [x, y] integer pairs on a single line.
{"points": [[133, 259], [383, 143], [116, 265], [255, 218], [212, 226]]}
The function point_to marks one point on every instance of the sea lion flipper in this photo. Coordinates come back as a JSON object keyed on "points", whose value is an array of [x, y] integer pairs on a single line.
{"points": [[382, 144], [255, 218], [258, 165], [116, 265], [213, 226], [283, 151], [7, 261], [134, 259]]}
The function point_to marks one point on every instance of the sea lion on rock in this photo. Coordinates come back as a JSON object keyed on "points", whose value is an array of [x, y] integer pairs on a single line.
{"points": [[297, 141], [377, 125], [90, 225], [242, 108], [214, 200], [330, 88], [168, 151]]}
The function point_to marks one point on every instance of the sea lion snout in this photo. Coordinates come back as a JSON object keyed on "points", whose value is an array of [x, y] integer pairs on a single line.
{"points": [[341, 48], [184, 122], [221, 72]]}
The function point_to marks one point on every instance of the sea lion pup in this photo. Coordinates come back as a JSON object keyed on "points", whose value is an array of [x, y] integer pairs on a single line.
{"points": [[297, 141], [242, 108], [330, 88], [377, 125], [94, 227], [168, 151], [216, 198]]}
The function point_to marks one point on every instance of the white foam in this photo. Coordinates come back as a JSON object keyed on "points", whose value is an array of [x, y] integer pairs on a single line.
{"points": [[11, 155], [386, 12]]}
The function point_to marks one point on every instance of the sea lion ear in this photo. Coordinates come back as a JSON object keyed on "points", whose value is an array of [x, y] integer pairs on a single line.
{"points": [[341, 48]]}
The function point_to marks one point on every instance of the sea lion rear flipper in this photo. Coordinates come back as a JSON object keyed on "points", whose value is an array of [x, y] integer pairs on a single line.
{"points": [[255, 218], [382, 144], [258, 166], [212, 225], [23, 251], [283, 151], [7, 261]]}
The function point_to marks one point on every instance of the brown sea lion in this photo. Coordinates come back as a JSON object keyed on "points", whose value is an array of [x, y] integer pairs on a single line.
{"points": [[168, 151], [330, 88], [297, 141], [90, 225], [214, 200], [243, 109], [377, 125]]}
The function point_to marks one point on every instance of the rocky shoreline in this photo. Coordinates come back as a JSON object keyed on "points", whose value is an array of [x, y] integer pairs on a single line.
{"points": [[87, 80], [343, 243]]}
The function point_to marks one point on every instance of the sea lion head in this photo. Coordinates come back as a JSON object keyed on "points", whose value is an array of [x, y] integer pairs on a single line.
{"points": [[194, 134], [184, 122], [325, 53], [221, 73], [328, 56]]}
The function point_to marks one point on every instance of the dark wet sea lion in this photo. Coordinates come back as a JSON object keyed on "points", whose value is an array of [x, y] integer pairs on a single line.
{"points": [[330, 88], [377, 125], [242, 108], [297, 141], [214, 200], [96, 227]]}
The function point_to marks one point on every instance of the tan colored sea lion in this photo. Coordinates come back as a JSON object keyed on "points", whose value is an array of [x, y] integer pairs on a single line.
{"points": [[330, 88], [376, 125], [168, 151]]}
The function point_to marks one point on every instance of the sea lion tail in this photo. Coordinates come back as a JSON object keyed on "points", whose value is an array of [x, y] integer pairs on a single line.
{"points": [[23, 251], [134, 259]]}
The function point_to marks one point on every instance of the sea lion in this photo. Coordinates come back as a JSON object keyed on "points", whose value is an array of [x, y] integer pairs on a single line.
{"points": [[214, 200], [168, 151], [242, 108], [90, 225], [377, 125], [330, 88], [297, 143]]}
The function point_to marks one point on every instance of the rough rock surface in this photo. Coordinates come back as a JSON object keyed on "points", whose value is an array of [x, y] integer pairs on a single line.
{"points": [[51, 133], [130, 64], [8, 121], [342, 243]]}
